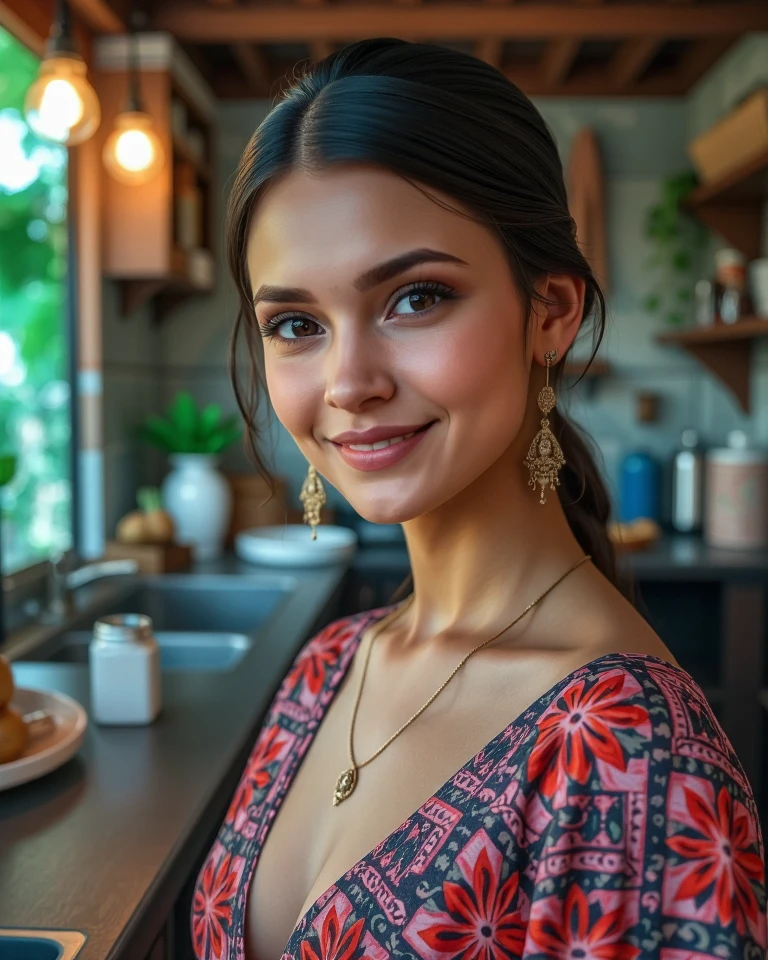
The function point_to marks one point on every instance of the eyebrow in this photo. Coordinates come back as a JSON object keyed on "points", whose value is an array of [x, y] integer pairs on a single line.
{"points": [[366, 281]]}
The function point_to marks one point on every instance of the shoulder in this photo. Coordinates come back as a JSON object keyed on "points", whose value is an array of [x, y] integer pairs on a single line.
{"points": [[625, 711], [323, 659], [639, 790]]}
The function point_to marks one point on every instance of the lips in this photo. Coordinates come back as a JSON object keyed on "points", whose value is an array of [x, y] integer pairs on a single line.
{"points": [[384, 452], [377, 434]]}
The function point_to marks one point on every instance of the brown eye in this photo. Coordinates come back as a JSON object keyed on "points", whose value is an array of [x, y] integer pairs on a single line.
{"points": [[417, 302], [421, 297], [295, 328]]}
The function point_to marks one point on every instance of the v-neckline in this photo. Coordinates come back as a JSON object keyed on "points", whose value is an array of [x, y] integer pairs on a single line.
{"points": [[530, 713]]}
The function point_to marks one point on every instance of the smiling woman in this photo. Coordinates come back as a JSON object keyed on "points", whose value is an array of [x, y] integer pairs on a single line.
{"points": [[513, 765]]}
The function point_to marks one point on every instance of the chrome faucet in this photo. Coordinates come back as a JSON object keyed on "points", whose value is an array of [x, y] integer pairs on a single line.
{"points": [[62, 581]]}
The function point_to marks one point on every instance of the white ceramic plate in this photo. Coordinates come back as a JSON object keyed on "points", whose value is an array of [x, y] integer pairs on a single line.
{"points": [[49, 751], [291, 545]]}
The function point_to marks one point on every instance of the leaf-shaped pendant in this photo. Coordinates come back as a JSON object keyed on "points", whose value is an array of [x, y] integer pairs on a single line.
{"points": [[345, 785]]}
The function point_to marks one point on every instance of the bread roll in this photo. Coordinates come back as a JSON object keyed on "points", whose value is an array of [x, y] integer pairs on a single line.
{"points": [[13, 735], [6, 682]]}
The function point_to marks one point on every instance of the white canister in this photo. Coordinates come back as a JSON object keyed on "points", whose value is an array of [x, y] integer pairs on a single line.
{"points": [[125, 670], [736, 514]]}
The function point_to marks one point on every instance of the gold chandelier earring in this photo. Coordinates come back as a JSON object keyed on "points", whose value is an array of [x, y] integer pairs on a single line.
{"points": [[313, 497], [545, 457]]}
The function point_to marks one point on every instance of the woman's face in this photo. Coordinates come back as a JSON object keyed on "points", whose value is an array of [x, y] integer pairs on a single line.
{"points": [[387, 311]]}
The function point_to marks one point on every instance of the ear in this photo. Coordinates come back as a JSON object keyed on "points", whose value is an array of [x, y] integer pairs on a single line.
{"points": [[557, 319]]}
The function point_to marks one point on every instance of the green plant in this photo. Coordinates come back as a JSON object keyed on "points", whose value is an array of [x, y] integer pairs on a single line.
{"points": [[187, 429], [677, 239], [7, 468]]}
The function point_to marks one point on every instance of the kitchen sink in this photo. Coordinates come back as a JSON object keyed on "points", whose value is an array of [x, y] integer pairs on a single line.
{"points": [[206, 651], [202, 622], [206, 602], [40, 944]]}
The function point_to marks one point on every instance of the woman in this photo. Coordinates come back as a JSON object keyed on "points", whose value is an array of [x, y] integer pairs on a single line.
{"points": [[508, 763]]}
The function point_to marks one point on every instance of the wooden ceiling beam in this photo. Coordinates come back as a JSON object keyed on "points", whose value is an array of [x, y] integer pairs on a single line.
{"points": [[253, 66], [631, 59], [593, 82], [557, 59], [100, 16], [701, 55], [274, 23]]}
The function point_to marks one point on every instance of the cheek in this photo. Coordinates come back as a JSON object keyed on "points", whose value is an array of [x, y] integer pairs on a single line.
{"points": [[293, 395], [478, 374]]}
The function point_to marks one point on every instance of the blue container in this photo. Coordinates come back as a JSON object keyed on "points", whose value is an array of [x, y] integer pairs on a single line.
{"points": [[640, 485]]}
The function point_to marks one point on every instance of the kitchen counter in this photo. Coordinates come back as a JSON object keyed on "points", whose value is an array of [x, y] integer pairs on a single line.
{"points": [[105, 844], [674, 557]]}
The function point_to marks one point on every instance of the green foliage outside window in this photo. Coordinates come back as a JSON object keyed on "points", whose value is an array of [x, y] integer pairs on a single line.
{"points": [[34, 390]]}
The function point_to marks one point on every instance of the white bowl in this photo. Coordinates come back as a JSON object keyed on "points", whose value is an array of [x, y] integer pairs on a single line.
{"points": [[291, 545], [49, 751]]}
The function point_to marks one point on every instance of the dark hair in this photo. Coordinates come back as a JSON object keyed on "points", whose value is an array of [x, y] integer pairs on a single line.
{"points": [[452, 122]]}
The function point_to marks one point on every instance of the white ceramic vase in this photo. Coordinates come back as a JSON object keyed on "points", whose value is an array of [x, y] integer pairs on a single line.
{"points": [[199, 499]]}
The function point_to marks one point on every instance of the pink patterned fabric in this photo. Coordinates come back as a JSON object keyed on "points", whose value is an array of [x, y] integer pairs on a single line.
{"points": [[610, 820]]}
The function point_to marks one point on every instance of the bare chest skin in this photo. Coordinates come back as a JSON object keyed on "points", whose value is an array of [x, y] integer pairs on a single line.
{"points": [[312, 844]]}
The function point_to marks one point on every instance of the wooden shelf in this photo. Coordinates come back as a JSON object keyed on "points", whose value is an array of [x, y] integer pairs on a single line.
{"points": [[166, 291], [725, 349], [733, 205]]}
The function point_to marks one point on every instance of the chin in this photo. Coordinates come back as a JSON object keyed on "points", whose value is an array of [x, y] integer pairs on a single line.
{"points": [[384, 513]]}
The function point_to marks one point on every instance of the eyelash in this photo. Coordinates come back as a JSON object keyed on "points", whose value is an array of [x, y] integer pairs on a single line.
{"points": [[270, 327]]}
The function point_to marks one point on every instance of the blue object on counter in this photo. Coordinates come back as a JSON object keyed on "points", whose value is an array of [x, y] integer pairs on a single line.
{"points": [[639, 487]]}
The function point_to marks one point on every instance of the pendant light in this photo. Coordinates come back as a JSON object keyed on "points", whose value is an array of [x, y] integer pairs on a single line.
{"points": [[133, 153], [61, 105]]}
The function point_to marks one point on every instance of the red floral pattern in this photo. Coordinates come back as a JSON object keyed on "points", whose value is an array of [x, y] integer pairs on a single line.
{"points": [[212, 905], [582, 930], [598, 825], [480, 921], [311, 666], [333, 941], [257, 775], [719, 855], [580, 729]]}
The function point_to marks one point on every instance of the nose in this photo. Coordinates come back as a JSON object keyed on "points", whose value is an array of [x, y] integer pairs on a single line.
{"points": [[357, 371]]}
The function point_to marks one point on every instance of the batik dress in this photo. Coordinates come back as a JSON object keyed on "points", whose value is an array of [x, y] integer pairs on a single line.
{"points": [[610, 820]]}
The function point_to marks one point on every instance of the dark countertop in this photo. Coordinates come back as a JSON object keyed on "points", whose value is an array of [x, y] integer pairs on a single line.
{"points": [[104, 844], [683, 558]]}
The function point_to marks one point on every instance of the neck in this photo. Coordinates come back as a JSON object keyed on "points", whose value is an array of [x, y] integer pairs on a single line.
{"points": [[482, 557]]}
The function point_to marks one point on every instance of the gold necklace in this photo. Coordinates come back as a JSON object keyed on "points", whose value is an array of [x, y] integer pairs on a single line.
{"points": [[347, 780]]}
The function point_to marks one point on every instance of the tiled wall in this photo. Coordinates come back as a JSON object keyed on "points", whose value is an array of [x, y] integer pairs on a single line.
{"points": [[642, 141]]}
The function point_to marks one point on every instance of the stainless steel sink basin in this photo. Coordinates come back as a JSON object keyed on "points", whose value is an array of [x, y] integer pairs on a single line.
{"points": [[205, 651], [40, 944], [207, 602], [203, 622]]}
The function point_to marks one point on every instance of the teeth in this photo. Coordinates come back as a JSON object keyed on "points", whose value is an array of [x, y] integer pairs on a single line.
{"points": [[381, 444]]}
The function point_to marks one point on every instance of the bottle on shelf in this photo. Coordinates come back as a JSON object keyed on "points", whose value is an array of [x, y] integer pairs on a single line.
{"points": [[688, 484], [731, 297], [639, 487]]}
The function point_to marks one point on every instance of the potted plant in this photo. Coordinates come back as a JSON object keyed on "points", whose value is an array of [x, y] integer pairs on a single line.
{"points": [[195, 493], [676, 240]]}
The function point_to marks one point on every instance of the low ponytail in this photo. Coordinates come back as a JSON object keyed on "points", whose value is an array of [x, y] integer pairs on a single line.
{"points": [[586, 502]]}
